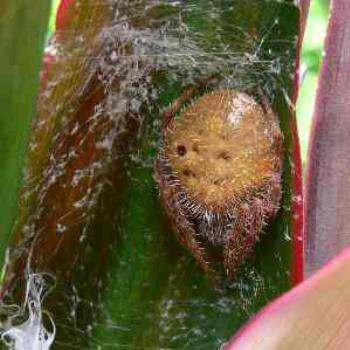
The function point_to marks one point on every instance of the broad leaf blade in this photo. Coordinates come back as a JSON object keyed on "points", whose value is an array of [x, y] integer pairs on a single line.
{"points": [[74, 179], [156, 295], [22, 35]]}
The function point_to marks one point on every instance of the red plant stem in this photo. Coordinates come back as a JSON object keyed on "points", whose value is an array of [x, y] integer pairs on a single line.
{"points": [[304, 10], [297, 268], [328, 190], [61, 13]]}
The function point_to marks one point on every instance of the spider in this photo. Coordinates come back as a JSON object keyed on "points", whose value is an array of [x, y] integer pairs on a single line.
{"points": [[219, 174]]}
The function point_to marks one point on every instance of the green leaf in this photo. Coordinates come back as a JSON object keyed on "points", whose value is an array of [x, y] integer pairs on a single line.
{"points": [[157, 296], [315, 314], [22, 36], [95, 213]]}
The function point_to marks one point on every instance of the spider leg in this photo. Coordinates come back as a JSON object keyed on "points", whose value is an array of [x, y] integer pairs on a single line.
{"points": [[245, 232], [169, 113], [181, 226], [187, 237]]}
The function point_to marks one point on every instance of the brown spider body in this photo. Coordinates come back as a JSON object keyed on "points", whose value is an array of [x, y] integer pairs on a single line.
{"points": [[219, 175]]}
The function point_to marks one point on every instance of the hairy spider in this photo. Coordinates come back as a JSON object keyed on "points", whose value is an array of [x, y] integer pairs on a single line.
{"points": [[219, 174]]}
